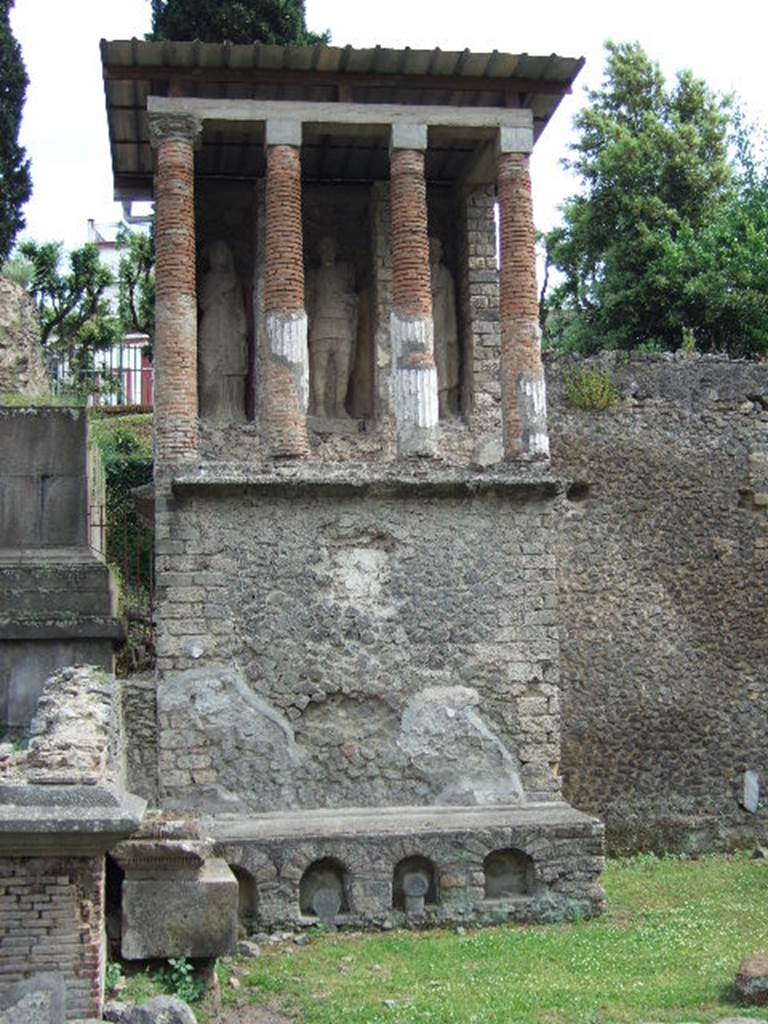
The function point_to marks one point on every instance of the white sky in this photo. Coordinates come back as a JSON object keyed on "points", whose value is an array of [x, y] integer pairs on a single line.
{"points": [[65, 129]]}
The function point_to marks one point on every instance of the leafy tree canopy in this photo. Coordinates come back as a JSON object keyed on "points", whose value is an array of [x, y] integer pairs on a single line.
{"points": [[15, 178], [136, 281], [666, 243], [238, 21], [75, 315]]}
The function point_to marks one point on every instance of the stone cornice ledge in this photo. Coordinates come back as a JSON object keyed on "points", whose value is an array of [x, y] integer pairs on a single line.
{"points": [[521, 481], [78, 821]]}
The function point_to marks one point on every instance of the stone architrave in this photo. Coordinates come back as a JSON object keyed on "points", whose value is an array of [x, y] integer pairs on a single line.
{"points": [[523, 391], [332, 305], [175, 390], [222, 346], [446, 330], [411, 326]]}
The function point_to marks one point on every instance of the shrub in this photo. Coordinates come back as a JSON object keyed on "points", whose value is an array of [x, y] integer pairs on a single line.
{"points": [[590, 388]]}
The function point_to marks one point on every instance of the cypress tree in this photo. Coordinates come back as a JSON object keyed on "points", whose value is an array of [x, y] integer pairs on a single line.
{"points": [[15, 178], [238, 21]]}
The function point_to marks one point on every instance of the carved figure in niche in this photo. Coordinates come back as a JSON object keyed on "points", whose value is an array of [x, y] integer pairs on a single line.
{"points": [[222, 346], [446, 331], [332, 306]]}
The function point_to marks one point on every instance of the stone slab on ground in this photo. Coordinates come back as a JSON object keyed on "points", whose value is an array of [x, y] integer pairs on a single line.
{"points": [[161, 1010], [37, 1000], [752, 980]]}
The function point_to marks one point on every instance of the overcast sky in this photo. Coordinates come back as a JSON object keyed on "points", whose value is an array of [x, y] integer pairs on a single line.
{"points": [[65, 129]]}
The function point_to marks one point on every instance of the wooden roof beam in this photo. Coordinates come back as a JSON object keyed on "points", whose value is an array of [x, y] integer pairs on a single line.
{"points": [[343, 82]]}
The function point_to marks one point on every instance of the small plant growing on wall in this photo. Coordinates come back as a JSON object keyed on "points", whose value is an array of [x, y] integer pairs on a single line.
{"points": [[590, 388]]}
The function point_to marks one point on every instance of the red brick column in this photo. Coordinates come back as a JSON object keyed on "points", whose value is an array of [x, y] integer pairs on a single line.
{"points": [[286, 363], [175, 357], [523, 394], [411, 327]]}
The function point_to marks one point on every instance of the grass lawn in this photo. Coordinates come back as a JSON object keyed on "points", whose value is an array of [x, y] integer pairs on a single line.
{"points": [[666, 950]]}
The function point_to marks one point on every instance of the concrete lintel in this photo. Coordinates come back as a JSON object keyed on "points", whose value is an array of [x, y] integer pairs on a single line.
{"points": [[280, 131], [318, 114], [514, 139], [405, 135]]}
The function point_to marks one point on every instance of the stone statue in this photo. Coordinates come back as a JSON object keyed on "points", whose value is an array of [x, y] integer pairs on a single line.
{"points": [[446, 331], [332, 307], [222, 346]]}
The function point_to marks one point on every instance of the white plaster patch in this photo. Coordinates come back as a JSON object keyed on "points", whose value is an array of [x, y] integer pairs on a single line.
{"points": [[287, 339], [416, 402], [533, 404], [410, 332], [360, 574], [449, 742]]}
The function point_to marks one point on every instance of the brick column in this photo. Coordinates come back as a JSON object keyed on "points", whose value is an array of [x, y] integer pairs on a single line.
{"points": [[175, 357], [411, 328], [523, 394], [286, 363]]}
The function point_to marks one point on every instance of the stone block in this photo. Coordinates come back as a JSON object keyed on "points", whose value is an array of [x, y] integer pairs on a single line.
{"points": [[169, 917], [161, 1010], [752, 980], [40, 999]]}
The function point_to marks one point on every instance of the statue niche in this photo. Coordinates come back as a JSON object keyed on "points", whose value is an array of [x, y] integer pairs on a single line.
{"points": [[222, 345], [332, 309], [446, 331]]}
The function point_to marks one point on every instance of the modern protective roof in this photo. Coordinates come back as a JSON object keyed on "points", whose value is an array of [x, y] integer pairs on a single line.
{"points": [[133, 70]]}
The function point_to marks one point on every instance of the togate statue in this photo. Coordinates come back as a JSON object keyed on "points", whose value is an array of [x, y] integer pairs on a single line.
{"points": [[222, 345], [446, 331], [332, 309]]}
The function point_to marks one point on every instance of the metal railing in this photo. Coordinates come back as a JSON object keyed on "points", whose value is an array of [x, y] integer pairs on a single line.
{"points": [[119, 376]]}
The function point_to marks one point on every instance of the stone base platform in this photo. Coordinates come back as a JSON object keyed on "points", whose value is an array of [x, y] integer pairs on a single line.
{"points": [[414, 866]]}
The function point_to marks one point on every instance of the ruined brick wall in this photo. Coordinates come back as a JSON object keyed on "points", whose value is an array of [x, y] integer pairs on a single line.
{"points": [[22, 365], [312, 644], [51, 920], [662, 554]]}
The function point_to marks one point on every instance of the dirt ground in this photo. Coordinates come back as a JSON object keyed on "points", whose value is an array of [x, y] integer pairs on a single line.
{"points": [[244, 1013]]}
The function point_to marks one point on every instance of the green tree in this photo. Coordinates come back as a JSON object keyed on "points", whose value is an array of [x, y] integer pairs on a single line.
{"points": [[136, 282], [239, 21], [721, 268], [76, 319], [653, 163], [15, 178]]}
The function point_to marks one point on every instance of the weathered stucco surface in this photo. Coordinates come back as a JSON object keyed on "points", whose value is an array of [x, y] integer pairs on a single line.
{"points": [[309, 643], [662, 552]]}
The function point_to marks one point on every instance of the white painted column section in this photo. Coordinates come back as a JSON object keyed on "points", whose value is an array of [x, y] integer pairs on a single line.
{"points": [[414, 388]]}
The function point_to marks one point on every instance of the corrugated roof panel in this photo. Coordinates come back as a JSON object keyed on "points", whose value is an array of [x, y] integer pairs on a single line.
{"points": [[150, 68], [126, 154]]}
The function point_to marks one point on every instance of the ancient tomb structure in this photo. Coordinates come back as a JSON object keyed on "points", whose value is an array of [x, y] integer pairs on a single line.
{"points": [[57, 597], [357, 624]]}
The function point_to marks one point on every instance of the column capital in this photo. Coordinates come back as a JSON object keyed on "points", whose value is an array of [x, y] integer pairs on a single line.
{"points": [[404, 135], [514, 140], [282, 132], [174, 127]]}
